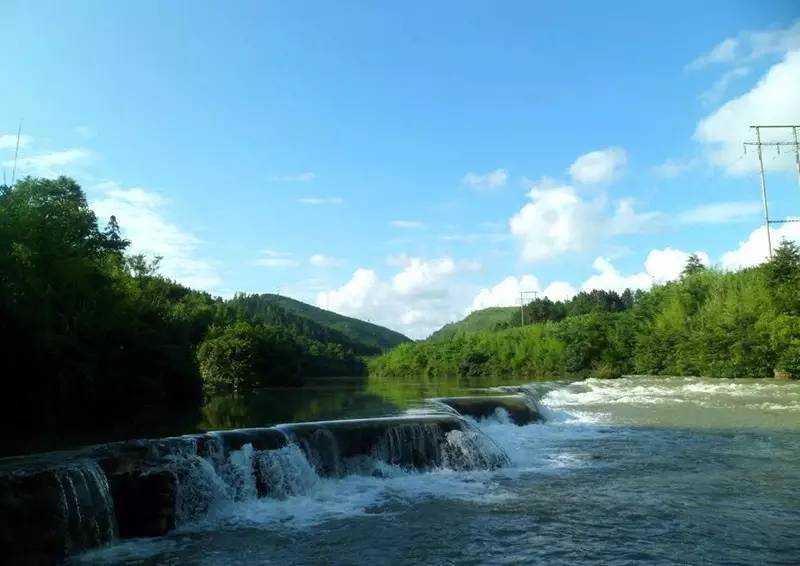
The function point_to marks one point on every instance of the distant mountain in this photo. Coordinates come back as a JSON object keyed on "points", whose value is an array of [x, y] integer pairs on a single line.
{"points": [[326, 326], [486, 319]]}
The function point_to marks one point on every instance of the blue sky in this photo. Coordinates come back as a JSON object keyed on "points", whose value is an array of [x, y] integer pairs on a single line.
{"points": [[403, 162]]}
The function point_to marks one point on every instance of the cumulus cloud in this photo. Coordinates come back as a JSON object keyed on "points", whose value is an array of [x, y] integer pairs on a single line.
{"points": [[600, 166], [141, 216], [408, 224], [50, 164], [558, 220], [773, 100], [324, 261], [487, 181], [720, 212], [506, 292], [754, 250], [317, 201], [9, 141], [416, 300], [275, 259], [660, 266]]}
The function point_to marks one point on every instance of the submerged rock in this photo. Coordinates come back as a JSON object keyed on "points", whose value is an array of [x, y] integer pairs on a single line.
{"points": [[519, 408]]}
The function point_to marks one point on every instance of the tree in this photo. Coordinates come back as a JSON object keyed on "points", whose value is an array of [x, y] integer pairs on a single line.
{"points": [[245, 356], [783, 277], [693, 265]]}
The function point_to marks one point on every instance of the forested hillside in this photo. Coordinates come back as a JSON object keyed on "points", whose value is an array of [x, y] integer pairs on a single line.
{"points": [[377, 338], [360, 336], [91, 332], [711, 323], [493, 318]]}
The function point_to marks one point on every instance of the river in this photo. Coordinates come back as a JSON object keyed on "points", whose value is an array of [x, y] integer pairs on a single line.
{"points": [[630, 471]]}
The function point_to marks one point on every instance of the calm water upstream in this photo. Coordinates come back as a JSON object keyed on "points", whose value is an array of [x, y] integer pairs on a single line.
{"points": [[631, 471]]}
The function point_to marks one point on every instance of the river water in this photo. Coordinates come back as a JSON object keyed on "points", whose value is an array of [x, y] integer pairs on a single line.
{"points": [[630, 471]]}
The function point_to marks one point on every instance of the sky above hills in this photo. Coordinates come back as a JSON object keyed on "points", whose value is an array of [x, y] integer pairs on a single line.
{"points": [[405, 163]]}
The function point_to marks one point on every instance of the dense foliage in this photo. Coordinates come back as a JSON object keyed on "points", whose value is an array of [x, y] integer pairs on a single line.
{"points": [[742, 324], [268, 311], [370, 338], [91, 332], [492, 318]]}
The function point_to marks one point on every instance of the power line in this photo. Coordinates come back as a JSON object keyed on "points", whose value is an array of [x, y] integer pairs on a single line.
{"points": [[777, 145], [16, 154], [522, 296]]}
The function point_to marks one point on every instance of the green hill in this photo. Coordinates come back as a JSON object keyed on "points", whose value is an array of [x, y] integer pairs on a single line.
{"points": [[360, 336], [486, 319]]}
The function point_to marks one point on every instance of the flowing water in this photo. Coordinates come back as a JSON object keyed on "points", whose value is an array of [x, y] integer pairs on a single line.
{"points": [[630, 471]]}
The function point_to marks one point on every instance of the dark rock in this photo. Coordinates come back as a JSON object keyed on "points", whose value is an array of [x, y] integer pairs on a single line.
{"points": [[519, 408], [144, 500], [33, 524]]}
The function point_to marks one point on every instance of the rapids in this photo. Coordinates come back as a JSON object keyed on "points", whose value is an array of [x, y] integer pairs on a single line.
{"points": [[632, 471]]}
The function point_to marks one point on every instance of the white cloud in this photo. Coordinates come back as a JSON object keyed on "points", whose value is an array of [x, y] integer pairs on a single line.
{"points": [[724, 52], [717, 90], [324, 261], [416, 300], [770, 41], [408, 224], [304, 177], [673, 168], [320, 200], [754, 249], [749, 46], [601, 166], [49, 164], [720, 212], [9, 141], [275, 259], [608, 278], [506, 292], [418, 274], [487, 181], [773, 100], [667, 264], [659, 267], [558, 220], [141, 218]]}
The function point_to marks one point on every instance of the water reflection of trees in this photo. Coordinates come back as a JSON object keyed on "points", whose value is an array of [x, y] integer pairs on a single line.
{"points": [[335, 398]]}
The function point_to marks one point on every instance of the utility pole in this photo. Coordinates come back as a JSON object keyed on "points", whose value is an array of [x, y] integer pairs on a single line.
{"points": [[522, 296], [16, 154], [763, 189], [777, 144]]}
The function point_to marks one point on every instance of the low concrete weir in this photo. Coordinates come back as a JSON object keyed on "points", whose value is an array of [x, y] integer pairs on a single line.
{"points": [[520, 409], [337, 448], [60, 503]]}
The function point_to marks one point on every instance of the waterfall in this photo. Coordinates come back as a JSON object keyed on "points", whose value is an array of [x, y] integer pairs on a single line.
{"points": [[86, 504], [146, 488], [412, 445], [321, 448], [284, 472]]}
